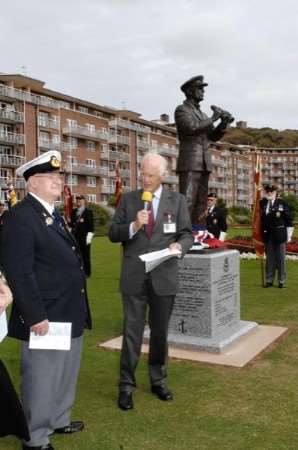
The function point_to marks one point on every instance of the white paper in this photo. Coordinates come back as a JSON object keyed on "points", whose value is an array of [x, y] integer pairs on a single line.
{"points": [[3, 326], [154, 259], [57, 338]]}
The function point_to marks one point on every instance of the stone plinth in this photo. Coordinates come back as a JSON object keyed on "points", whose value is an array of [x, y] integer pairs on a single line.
{"points": [[206, 315]]}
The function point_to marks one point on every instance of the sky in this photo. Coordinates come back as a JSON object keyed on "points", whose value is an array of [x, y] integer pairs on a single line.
{"points": [[135, 54]]}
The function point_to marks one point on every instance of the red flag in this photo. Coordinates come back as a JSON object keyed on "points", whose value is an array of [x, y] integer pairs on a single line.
{"points": [[118, 186], [67, 203], [257, 234]]}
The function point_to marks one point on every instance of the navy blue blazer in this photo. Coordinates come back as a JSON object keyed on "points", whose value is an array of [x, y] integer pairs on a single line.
{"points": [[44, 270], [275, 223]]}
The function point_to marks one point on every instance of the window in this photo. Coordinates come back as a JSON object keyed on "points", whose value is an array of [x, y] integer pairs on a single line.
{"points": [[43, 119], [83, 109], [91, 146], [72, 180], [91, 198], [72, 123], [73, 142], [56, 138], [90, 127], [91, 181], [74, 161], [90, 162]]}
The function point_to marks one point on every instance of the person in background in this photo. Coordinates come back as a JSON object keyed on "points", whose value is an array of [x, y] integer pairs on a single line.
{"points": [[277, 231], [13, 420], [144, 225], [82, 225], [215, 218], [43, 267]]}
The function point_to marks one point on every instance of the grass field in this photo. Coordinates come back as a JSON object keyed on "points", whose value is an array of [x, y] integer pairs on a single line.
{"points": [[214, 408]]}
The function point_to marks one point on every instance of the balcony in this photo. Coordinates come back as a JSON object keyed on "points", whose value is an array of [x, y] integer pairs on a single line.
{"points": [[104, 154], [143, 144], [8, 92], [121, 123], [8, 116], [18, 183], [11, 160], [165, 150], [83, 169], [48, 123], [49, 145], [216, 184], [86, 133], [12, 138], [107, 189], [119, 139], [120, 156], [67, 147]]}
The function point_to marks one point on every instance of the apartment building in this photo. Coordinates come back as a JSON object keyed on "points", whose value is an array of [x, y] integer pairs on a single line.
{"points": [[91, 138]]}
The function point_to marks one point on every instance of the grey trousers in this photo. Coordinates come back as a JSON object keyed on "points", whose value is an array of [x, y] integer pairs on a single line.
{"points": [[48, 386], [134, 308], [275, 261]]}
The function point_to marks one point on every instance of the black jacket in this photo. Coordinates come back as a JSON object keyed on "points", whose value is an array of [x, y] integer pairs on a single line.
{"points": [[81, 225], [275, 223], [44, 270], [216, 222]]}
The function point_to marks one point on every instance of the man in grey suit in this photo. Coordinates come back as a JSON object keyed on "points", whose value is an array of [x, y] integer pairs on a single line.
{"points": [[195, 131], [44, 269], [162, 223]]}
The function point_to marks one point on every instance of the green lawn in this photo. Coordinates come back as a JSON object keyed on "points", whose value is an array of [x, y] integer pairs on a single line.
{"points": [[255, 408]]}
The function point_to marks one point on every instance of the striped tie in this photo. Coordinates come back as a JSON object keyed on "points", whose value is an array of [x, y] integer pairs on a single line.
{"points": [[150, 225]]}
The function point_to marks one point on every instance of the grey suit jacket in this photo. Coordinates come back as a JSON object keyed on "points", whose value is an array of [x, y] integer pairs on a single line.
{"points": [[164, 277], [195, 131]]}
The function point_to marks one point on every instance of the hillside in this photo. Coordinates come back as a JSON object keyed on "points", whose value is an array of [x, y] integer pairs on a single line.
{"points": [[262, 137]]}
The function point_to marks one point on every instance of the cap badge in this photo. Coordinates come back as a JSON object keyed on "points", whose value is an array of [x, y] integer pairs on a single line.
{"points": [[54, 162]]}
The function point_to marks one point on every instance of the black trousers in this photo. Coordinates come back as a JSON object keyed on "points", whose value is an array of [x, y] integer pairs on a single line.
{"points": [[135, 309], [85, 251], [194, 185]]}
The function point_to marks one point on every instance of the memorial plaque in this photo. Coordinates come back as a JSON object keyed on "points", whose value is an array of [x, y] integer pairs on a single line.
{"points": [[206, 314]]}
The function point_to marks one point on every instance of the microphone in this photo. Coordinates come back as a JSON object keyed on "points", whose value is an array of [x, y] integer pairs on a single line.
{"points": [[147, 199]]}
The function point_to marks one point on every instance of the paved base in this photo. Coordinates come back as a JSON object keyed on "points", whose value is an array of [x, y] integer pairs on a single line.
{"points": [[218, 345], [237, 355]]}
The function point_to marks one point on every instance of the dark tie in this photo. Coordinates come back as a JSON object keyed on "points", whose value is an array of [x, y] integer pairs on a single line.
{"points": [[58, 219], [270, 205], [150, 225]]}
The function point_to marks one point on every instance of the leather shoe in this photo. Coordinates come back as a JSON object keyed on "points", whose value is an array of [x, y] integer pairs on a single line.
{"points": [[281, 285], [268, 284], [39, 447], [162, 392], [125, 400], [73, 427]]}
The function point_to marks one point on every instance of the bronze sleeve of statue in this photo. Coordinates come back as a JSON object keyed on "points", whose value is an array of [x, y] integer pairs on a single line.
{"points": [[195, 131]]}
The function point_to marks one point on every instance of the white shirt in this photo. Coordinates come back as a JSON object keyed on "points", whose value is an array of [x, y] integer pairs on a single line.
{"points": [[50, 208]]}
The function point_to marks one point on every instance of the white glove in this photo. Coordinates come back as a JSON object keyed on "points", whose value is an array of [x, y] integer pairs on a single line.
{"points": [[89, 237], [290, 231], [222, 236]]}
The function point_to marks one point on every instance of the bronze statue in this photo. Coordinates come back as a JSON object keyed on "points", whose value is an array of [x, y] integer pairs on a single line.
{"points": [[195, 131]]}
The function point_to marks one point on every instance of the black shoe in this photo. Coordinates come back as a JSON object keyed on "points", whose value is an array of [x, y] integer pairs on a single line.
{"points": [[125, 400], [162, 392], [281, 285], [73, 427], [39, 447], [268, 284]]}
